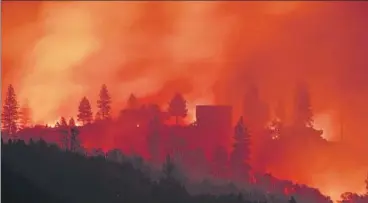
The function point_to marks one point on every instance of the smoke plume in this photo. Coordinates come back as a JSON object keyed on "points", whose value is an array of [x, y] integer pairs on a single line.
{"points": [[54, 53]]}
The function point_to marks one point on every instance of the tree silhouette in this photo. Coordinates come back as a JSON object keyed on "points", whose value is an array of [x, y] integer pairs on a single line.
{"points": [[199, 162], [64, 131], [97, 152], [93, 180], [132, 102], [25, 116], [63, 122], [239, 158], [65, 138], [10, 114], [104, 103], [171, 190], [115, 155], [178, 107], [71, 122], [292, 200], [168, 168], [153, 139], [85, 112], [154, 112], [303, 115], [74, 140], [219, 161], [349, 197]]}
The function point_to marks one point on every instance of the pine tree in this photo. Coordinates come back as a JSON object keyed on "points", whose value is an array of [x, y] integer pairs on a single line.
{"points": [[104, 103], [171, 184], [199, 163], [292, 200], [115, 155], [74, 140], [63, 122], [65, 138], [85, 111], [240, 156], [303, 114], [219, 162], [178, 107], [153, 139], [154, 112], [25, 116], [63, 129], [168, 168], [132, 102], [71, 122], [10, 114]]}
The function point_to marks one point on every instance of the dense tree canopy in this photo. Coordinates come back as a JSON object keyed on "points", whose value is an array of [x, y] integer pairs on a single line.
{"points": [[240, 155]]}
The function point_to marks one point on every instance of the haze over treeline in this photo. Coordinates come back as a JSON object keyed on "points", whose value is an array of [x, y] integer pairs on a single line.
{"points": [[208, 148], [55, 53]]}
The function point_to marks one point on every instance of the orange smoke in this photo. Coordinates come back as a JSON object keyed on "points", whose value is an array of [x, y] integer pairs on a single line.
{"points": [[56, 52]]}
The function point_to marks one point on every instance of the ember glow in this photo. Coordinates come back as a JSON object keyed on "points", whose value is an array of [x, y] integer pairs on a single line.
{"points": [[54, 53]]}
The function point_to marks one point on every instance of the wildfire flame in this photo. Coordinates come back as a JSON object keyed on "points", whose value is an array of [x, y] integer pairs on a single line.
{"points": [[54, 53]]}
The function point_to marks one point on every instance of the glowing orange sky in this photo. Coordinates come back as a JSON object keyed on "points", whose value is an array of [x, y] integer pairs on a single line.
{"points": [[56, 52]]}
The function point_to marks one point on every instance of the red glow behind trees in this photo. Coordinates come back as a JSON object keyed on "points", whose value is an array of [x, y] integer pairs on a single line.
{"points": [[273, 40], [303, 114], [71, 122], [63, 122], [143, 130], [280, 111], [255, 111], [25, 116]]}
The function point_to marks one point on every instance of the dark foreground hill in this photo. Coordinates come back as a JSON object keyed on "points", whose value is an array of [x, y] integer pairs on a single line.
{"points": [[41, 173], [16, 188]]}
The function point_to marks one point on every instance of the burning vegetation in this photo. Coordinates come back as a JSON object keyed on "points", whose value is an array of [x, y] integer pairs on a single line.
{"points": [[255, 93], [207, 149]]}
